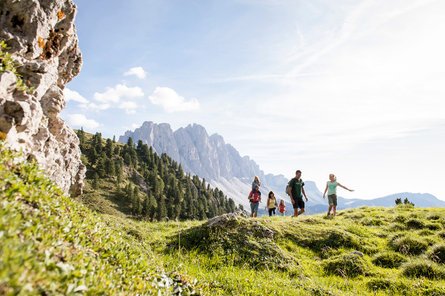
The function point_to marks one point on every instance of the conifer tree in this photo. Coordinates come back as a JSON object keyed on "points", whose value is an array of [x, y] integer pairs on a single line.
{"points": [[95, 183]]}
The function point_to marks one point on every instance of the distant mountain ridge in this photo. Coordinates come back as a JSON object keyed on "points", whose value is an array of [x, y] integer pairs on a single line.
{"points": [[209, 157]]}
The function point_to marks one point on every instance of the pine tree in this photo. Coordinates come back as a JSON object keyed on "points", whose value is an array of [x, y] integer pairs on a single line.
{"points": [[95, 183], [81, 136], [100, 168], [109, 148], [162, 210], [130, 142], [109, 167]]}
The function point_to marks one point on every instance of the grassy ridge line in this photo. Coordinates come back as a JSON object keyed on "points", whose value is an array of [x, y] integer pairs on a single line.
{"points": [[52, 245], [403, 247]]}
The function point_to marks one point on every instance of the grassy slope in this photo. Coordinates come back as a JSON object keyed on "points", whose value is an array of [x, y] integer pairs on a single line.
{"points": [[55, 245], [52, 245], [311, 254]]}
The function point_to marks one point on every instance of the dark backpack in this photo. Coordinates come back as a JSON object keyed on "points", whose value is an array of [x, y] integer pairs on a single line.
{"points": [[288, 187]]}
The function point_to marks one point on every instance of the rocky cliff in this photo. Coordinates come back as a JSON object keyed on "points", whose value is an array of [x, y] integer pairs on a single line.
{"points": [[42, 40]]}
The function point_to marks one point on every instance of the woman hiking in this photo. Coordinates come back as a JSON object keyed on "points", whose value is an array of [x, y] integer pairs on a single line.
{"points": [[271, 204], [255, 199], [331, 188]]}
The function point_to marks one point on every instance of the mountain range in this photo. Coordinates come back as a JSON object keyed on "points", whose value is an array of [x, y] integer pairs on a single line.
{"points": [[211, 158]]}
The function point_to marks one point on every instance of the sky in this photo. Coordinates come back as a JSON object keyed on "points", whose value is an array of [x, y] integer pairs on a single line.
{"points": [[354, 88]]}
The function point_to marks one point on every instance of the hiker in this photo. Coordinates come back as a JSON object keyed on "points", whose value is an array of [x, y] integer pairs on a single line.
{"points": [[331, 188], [295, 190], [282, 208], [256, 182], [255, 199], [271, 204]]}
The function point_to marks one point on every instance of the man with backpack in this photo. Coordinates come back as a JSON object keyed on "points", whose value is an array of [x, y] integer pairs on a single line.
{"points": [[295, 190], [255, 199]]}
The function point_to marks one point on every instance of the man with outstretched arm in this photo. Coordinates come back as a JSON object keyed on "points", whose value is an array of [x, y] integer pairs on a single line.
{"points": [[296, 188]]}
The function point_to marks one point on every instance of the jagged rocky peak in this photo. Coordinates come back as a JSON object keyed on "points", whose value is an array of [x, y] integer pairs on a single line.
{"points": [[42, 39]]}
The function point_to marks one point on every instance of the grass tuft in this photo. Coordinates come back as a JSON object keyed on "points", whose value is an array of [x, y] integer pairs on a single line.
{"points": [[423, 269], [347, 265], [389, 259]]}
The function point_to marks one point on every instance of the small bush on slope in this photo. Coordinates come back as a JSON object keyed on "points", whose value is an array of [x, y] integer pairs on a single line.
{"points": [[347, 265], [244, 241], [408, 245], [437, 254], [423, 268], [51, 245], [388, 259]]}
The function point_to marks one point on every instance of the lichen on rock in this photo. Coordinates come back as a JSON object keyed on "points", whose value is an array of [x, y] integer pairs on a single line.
{"points": [[42, 39]]}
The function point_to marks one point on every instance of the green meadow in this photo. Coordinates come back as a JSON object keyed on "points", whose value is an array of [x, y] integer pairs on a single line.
{"points": [[53, 245]]}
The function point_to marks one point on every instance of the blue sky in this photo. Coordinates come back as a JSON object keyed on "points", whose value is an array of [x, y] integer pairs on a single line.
{"points": [[351, 87]]}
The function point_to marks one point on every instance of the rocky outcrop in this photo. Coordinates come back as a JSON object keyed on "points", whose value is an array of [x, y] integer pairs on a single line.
{"points": [[43, 41]]}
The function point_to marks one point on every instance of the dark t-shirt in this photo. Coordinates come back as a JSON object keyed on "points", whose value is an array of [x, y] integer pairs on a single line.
{"points": [[296, 185]]}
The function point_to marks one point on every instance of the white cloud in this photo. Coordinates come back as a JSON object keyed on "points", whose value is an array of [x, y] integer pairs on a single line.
{"points": [[130, 107], [71, 95], [95, 107], [171, 101], [114, 94], [139, 72], [79, 120]]}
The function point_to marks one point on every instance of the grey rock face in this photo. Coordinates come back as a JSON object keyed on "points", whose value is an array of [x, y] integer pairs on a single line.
{"points": [[42, 39], [206, 156]]}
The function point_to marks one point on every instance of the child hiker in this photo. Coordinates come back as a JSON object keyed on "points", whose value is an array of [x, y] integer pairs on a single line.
{"points": [[271, 204], [331, 188], [282, 208], [256, 182]]}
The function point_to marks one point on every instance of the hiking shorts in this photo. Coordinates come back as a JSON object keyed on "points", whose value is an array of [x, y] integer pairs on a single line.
{"points": [[299, 203], [254, 206], [272, 211], [332, 200]]}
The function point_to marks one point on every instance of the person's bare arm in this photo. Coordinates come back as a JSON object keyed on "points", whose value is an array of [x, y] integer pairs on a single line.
{"points": [[326, 189], [344, 187], [304, 193]]}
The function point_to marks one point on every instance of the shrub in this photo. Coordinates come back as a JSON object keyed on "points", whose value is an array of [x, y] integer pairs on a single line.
{"points": [[379, 284], [415, 224], [408, 245], [400, 219], [434, 217], [388, 259], [371, 221], [423, 268], [433, 226], [394, 227], [335, 239], [426, 232], [441, 234], [437, 254], [347, 265]]}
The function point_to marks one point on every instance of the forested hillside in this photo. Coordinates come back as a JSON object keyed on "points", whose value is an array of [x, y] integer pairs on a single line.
{"points": [[132, 180]]}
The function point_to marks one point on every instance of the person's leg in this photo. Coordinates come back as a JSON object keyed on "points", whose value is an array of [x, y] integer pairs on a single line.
{"points": [[334, 203], [295, 212], [301, 205], [329, 210], [256, 213], [270, 212]]}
